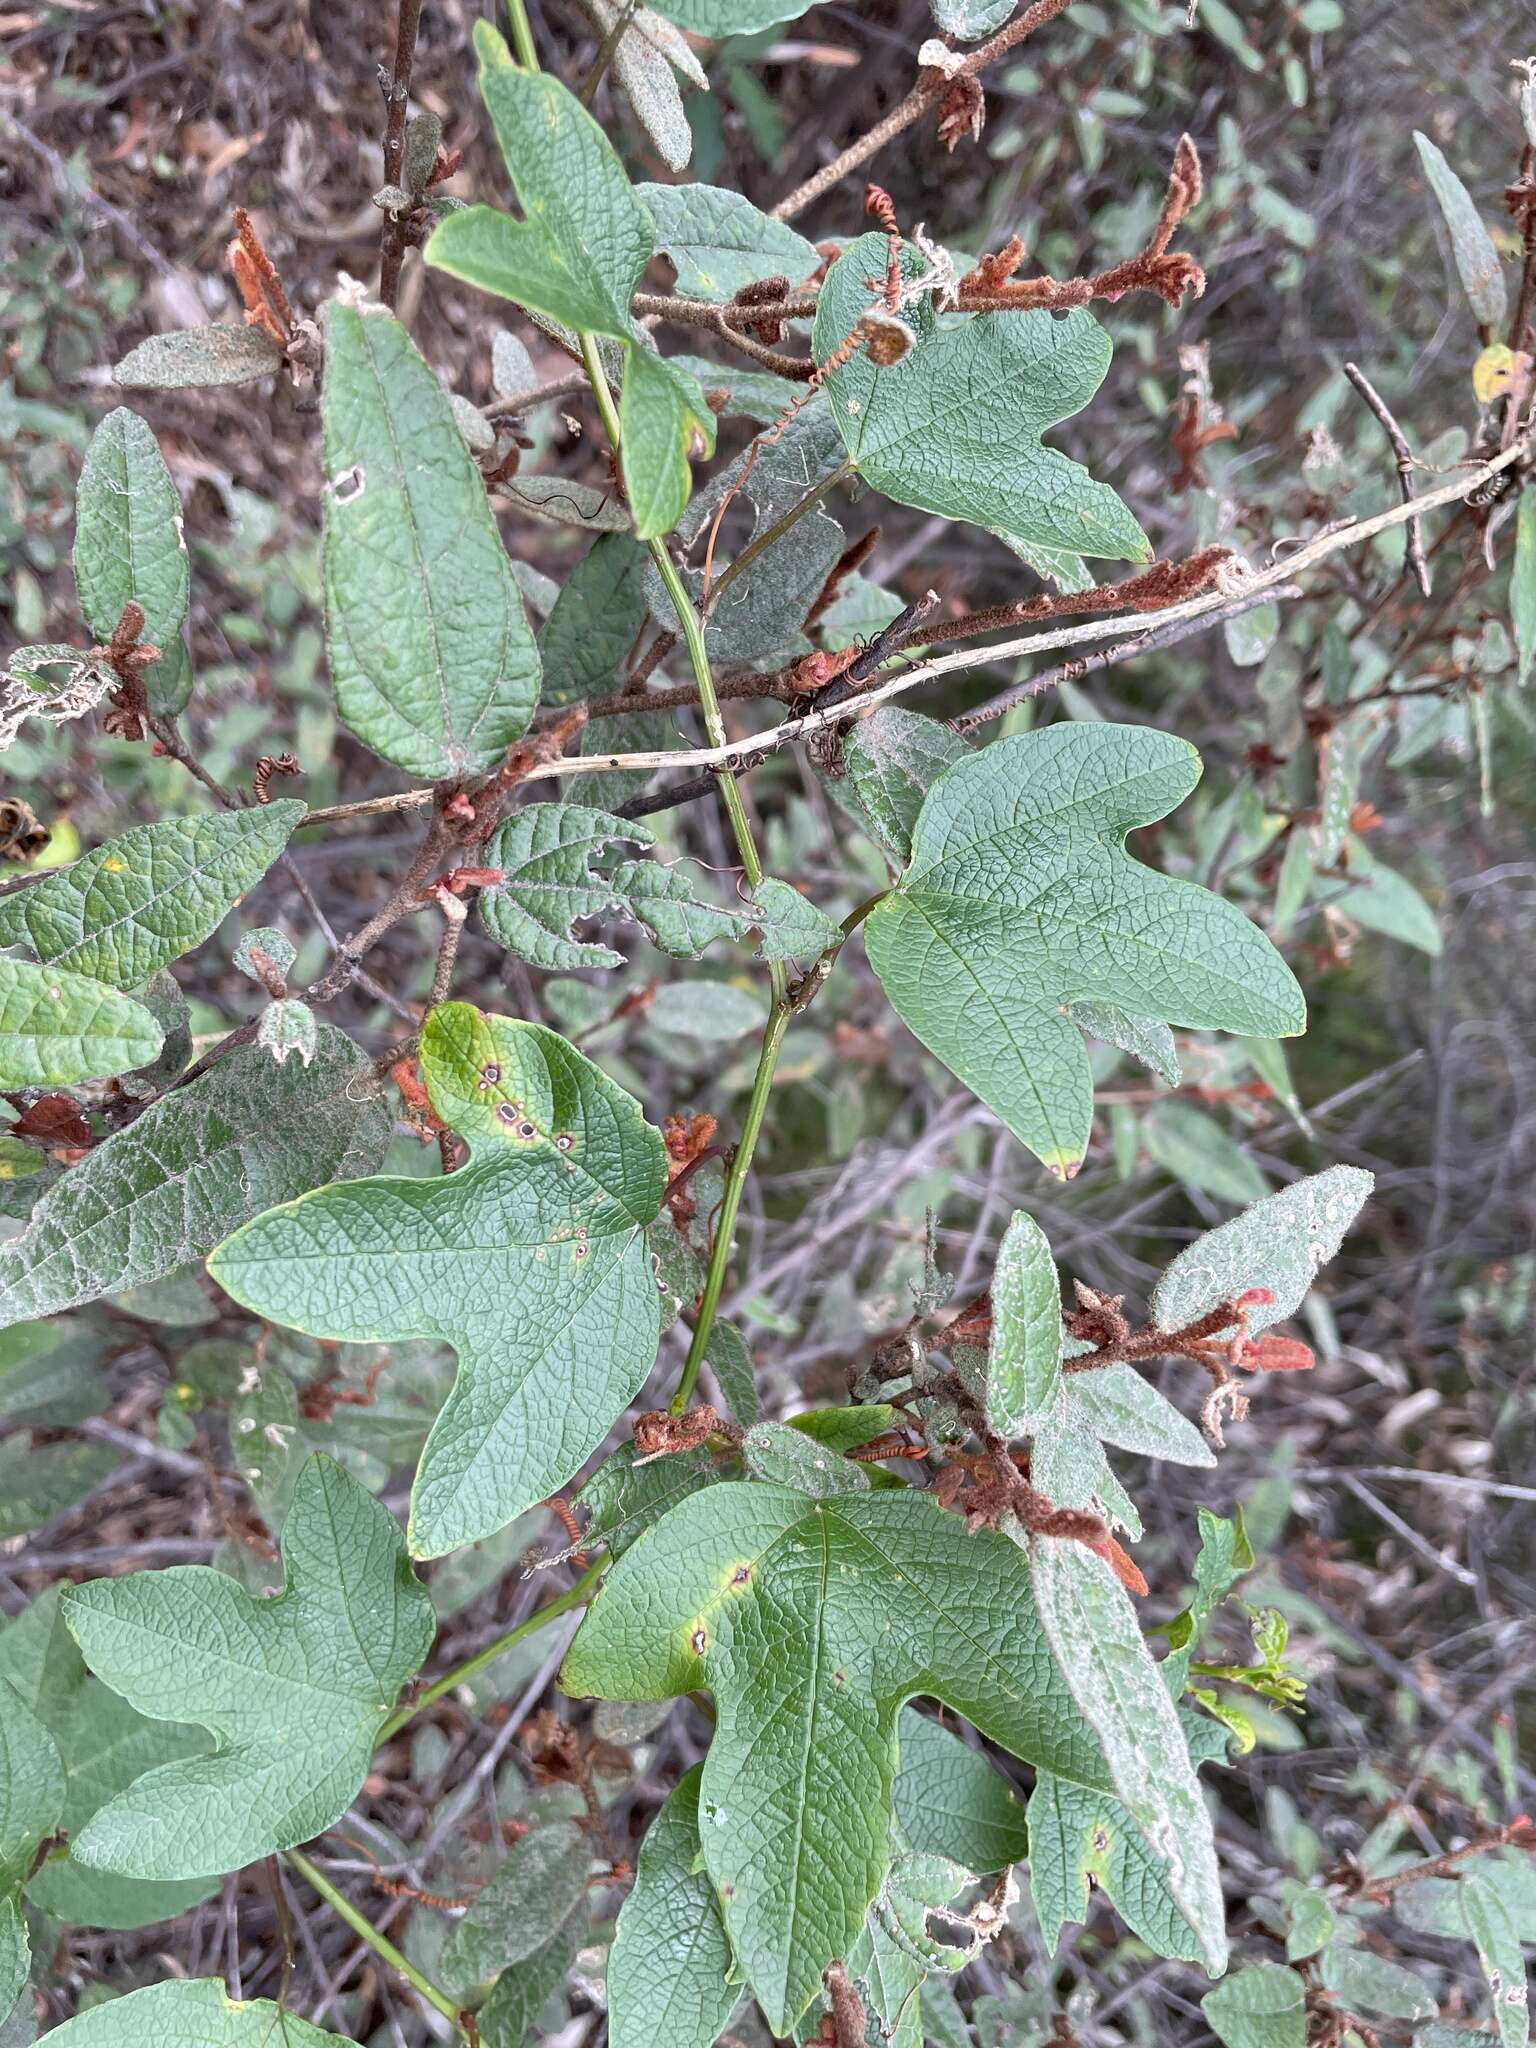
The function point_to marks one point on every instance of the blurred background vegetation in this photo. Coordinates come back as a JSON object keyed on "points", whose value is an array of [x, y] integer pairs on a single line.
{"points": [[1389, 1493]]}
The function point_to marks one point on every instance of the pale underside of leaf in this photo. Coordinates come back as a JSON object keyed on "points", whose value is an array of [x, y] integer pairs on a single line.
{"points": [[1098, 1645], [164, 1191]]}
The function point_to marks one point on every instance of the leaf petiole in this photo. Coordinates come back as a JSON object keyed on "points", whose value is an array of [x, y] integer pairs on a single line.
{"points": [[381, 1945], [574, 1596]]}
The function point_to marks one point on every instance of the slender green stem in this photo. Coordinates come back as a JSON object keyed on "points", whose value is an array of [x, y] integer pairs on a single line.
{"points": [[522, 35], [735, 1180], [573, 1596], [692, 628], [382, 1947]]}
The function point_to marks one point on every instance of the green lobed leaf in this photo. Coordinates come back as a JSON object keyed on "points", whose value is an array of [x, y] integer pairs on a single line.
{"points": [[955, 427], [718, 241], [670, 1962], [1263, 2006], [1476, 259], [576, 256], [1280, 1243], [665, 897], [531, 1261], [433, 662], [57, 1027], [129, 548], [132, 906], [106, 1745], [294, 1689], [1091, 1625], [199, 355], [866, 1599], [191, 2013], [526, 1904], [1021, 899], [1024, 1352], [970, 20], [893, 758], [950, 1801], [1496, 1934], [166, 1188], [545, 854]]}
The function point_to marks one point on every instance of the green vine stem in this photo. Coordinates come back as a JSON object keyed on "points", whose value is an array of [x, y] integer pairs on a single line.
{"points": [[382, 1947], [576, 1595]]}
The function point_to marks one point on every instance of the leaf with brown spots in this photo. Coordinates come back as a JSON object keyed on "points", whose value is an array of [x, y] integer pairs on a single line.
{"points": [[531, 1260], [812, 1621]]}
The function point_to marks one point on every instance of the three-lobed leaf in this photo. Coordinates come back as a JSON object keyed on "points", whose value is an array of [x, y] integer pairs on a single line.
{"points": [[545, 854], [531, 1261], [132, 906], [57, 1027], [166, 1188], [293, 1689], [812, 1622], [576, 257], [1021, 900], [954, 427], [432, 659]]}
